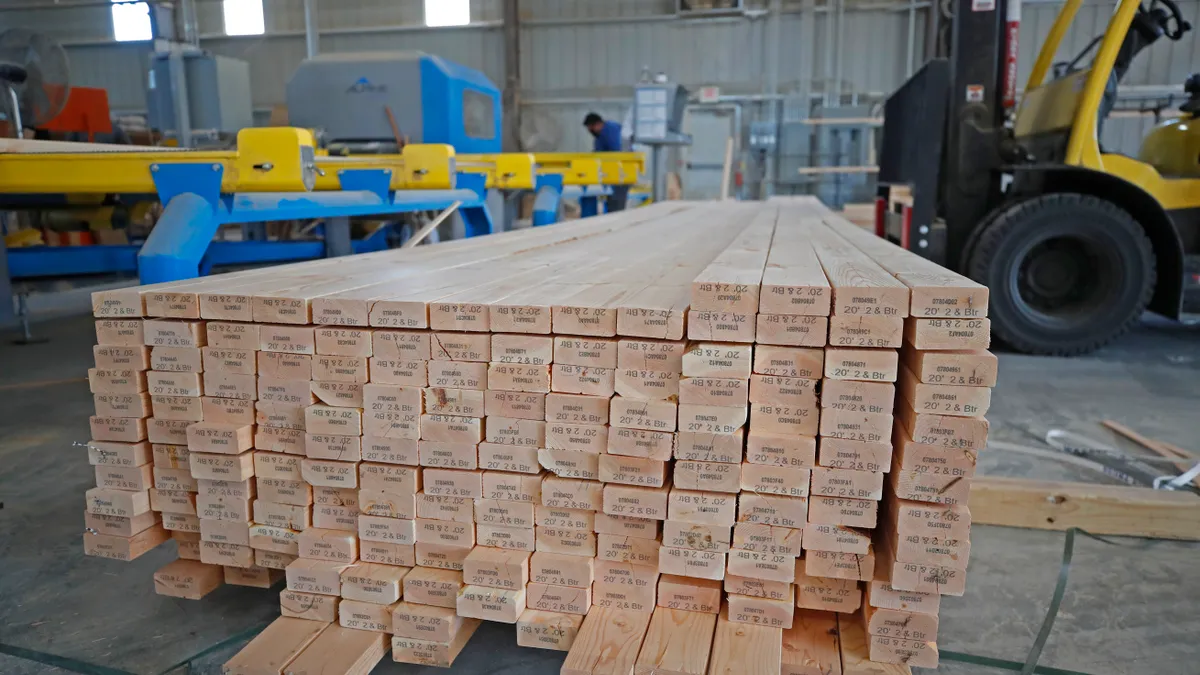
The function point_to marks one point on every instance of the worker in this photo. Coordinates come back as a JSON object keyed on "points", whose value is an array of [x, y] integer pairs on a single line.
{"points": [[608, 139]]}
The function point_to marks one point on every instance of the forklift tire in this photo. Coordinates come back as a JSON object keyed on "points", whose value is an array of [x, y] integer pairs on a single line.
{"points": [[1068, 273]]}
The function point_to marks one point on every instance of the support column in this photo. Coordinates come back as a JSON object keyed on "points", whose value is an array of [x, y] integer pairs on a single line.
{"points": [[337, 237], [312, 32], [511, 101]]}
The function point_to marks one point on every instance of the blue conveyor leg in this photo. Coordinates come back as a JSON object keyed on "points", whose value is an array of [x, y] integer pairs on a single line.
{"points": [[179, 240], [589, 206], [476, 220], [548, 200], [545, 206]]}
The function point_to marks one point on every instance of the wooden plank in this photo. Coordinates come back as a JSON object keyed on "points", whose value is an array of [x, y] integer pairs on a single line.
{"points": [[688, 593], [745, 649], [811, 646], [608, 643], [548, 630], [270, 652], [948, 334], [677, 643], [856, 651], [340, 651], [429, 653], [1100, 509], [1157, 447], [860, 286], [732, 281], [936, 291], [970, 368], [794, 281]]}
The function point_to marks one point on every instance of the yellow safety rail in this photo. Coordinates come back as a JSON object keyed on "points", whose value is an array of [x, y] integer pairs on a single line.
{"points": [[506, 171], [593, 168], [271, 159]]}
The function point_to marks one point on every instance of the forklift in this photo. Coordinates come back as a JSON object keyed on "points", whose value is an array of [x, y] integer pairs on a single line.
{"points": [[1074, 242]]}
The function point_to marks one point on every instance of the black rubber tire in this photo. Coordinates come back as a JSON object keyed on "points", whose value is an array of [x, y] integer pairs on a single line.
{"points": [[1000, 248]]}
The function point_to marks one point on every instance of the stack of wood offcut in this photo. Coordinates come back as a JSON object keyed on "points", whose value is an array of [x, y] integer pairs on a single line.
{"points": [[688, 438]]}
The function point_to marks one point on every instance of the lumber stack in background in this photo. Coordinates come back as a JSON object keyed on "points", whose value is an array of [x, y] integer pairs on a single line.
{"points": [[672, 439]]}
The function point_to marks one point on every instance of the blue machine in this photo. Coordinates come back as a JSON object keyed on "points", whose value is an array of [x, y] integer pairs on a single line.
{"points": [[352, 100], [349, 97]]}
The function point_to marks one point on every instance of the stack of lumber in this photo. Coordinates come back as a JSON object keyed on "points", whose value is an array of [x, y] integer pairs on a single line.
{"points": [[674, 439], [944, 379]]}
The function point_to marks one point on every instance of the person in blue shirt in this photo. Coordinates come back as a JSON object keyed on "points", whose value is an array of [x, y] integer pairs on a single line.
{"points": [[608, 139]]}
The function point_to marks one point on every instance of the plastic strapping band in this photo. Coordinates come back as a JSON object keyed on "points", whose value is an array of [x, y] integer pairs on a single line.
{"points": [[62, 662], [1030, 666], [232, 640], [85, 668]]}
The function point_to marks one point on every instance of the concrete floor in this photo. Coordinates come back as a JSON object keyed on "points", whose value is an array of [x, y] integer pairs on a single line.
{"points": [[1127, 611]]}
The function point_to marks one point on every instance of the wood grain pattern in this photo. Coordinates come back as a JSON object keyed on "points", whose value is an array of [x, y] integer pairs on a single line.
{"points": [[856, 652], [745, 649], [677, 643], [340, 651], [1100, 509], [608, 643], [811, 646]]}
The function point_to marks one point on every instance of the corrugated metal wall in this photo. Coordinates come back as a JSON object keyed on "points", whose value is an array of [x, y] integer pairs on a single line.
{"points": [[579, 55]]}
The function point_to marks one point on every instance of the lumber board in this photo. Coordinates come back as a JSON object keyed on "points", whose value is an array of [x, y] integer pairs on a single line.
{"points": [[1159, 448], [811, 646], [677, 643], [745, 649], [270, 652], [184, 295], [548, 630], [860, 286], [429, 653], [608, 642], [732, 281], [340, 651], [856, 650], [936, 291], [1099, 509], [794, 281]]}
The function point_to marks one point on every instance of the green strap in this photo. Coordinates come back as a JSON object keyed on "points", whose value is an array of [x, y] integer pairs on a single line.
{"points": [[235, 639], [1060, 589], [1030, 666], [61, 662], [1002, 664], [85, 668]]}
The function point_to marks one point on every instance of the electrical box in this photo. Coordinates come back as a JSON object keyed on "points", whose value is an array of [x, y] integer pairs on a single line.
{"points": [[764, 136], [658, 110]]}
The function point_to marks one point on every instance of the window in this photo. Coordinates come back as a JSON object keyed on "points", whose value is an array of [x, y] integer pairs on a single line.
{"points": [[447, 12], [131, 21], [479, 115], [243, 17]]}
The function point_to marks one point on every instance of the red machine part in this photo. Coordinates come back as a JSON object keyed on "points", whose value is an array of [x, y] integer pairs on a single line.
{"points": [[86, 111]]}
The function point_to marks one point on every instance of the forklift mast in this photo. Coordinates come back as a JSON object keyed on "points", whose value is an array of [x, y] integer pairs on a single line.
{"points": [[943, 133]]}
